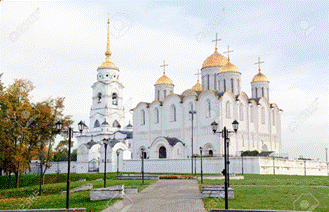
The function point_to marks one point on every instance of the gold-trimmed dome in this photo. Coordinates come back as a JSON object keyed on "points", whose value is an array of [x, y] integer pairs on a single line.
{"points": [[260, 77], [164, 80], [215, 60], [108, 61], [229, 67], [197, 87]]}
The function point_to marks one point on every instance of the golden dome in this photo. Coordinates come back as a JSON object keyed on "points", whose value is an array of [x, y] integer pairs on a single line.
{"points": [[214, 60], [229, 67], [108, 61], [164, 80], [197, 86], [260, 77]]}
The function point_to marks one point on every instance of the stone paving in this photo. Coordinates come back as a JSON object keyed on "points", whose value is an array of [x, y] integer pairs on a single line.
{"points": [[163, 196]]}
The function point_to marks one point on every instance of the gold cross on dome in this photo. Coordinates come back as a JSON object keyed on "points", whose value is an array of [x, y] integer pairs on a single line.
{"points": [[164, 67], [259, 62], [198, 74], [228, 52], [216, 41]]}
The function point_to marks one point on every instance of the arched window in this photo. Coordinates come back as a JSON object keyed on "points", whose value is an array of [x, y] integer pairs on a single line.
{"points": [[208, 81], [164, 94], [262, 115], [156, 115], [228, 110], [241, 112], [116, 124], [274, 118], [96, 124], [162, 152], [211, 153], [232, 86], [224, 85], [208, 109], [251, 113], [99, 96], [263, 91], [215, 82], [142, 117], [114, 99], [256, 94], [173, 113], [158, 95], [238, 84]]}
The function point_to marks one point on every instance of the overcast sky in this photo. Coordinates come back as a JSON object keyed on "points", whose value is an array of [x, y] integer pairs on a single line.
{"points": [[59, 45]]}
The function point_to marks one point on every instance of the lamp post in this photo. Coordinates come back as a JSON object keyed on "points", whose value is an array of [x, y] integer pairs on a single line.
{"points": [[105, 141], [70, 131], [201, 164], [142, 156], [242, 162], [118, 153], [192, 112], [225, 134]]}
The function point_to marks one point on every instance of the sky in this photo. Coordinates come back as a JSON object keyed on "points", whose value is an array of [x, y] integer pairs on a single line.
{"points": [[58, 45]]}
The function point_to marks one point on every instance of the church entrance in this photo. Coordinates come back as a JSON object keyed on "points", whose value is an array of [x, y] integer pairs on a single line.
{"points": [[162, 152]]}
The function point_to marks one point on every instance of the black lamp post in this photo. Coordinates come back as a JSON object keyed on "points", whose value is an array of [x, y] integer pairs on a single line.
{"points": [[118, 153], [192, 112], [105, 141], [225, 134], [201, 164], [70, 131], [142, 156]]}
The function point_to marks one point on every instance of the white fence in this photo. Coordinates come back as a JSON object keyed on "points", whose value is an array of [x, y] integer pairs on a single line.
{"points": [[215, 165]]}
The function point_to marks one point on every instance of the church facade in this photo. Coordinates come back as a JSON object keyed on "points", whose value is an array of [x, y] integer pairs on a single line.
{"points": [[163, 127]]}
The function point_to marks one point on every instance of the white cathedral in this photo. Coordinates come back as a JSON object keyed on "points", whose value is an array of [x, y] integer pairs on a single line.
{"points": [[163, 127]]}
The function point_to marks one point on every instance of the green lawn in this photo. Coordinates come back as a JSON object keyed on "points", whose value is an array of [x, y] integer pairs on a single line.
{"points": [[254, 179], [280, 196], [27, 197]]}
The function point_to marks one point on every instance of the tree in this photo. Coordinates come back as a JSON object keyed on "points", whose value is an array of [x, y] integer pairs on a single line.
{"points": [[27, 130], [249, 153], [61, 151]]}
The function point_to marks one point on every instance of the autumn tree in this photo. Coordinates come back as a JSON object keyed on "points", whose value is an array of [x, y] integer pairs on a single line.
{"points": [[27, 129]]}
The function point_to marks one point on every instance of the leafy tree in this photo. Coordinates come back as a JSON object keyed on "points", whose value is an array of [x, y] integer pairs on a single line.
{"points": [[27, 130], [249, 153], [61, 151]]}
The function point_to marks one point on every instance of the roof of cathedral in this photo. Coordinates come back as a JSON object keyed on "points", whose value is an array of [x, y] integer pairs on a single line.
{"points": [[215, 60], [173, 141], [229, 67], [164, 80], [260, 77], [90, 144], [108, 61]]}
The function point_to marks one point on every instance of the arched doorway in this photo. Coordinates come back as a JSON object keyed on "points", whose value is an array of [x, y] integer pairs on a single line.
{"points": [[162, 152], [211, 153]]}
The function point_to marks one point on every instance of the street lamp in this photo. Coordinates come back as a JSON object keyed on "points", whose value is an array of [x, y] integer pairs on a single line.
{"points": [[201, 165], [192, 112], [225, 134], [142, 156], [118, 153], [105, 142], [70, 131]]}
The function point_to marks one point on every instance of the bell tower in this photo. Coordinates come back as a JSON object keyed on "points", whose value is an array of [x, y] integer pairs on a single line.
{"points": [[107, 111]]}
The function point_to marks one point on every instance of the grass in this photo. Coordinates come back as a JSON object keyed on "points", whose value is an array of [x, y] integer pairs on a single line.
{"points": [[27, 197], [254, 179], [280, 196]]}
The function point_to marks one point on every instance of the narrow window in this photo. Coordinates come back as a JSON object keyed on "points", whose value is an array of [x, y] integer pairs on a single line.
{"points": [[238, 83], [224, 85], [96, 124], [232, 86], [228, 110], [156, 115], [158, 95], [114, 99], [218, 85], [215, 82], [142, 117], [99, 96], [173, 113], [164, 94], [208, 82], [256, 93], [262, 91]]}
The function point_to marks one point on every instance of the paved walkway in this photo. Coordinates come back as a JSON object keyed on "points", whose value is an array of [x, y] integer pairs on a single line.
{"points": [[163, 196]]}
